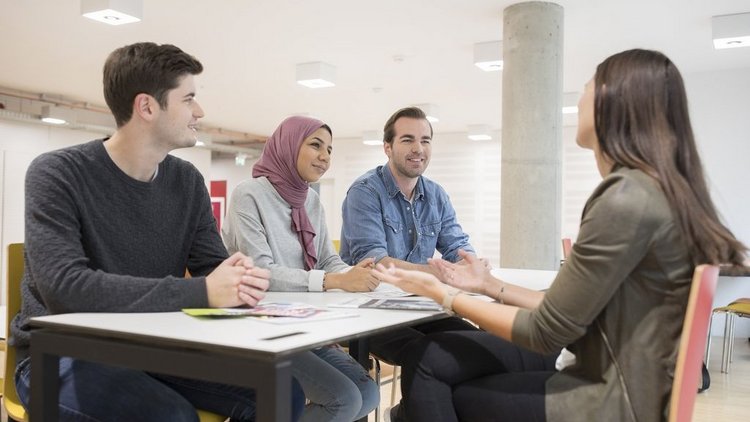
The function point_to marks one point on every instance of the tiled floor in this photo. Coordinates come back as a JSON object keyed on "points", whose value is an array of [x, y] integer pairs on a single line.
{"points": [[727, 399]]}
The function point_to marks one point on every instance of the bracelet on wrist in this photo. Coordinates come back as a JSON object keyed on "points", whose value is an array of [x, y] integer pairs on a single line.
{"points": [[323, 286], [500, 294], [448, 300]]}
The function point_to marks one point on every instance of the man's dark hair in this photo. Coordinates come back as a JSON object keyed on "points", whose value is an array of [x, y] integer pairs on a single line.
{"points": [[144, 68], [389, 130]]}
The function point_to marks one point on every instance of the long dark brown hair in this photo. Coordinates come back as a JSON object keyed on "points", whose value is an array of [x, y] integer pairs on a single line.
{"points": [[642, 122]]}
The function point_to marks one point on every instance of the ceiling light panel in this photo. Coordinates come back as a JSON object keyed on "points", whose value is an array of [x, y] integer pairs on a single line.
{"points": [[488, 56], [316, 75], [113, 12], [58, 115], [731, 31]]}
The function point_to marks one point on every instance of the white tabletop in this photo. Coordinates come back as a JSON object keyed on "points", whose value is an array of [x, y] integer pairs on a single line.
{"points": [[251, 334], [242, 334], [530, 279]]}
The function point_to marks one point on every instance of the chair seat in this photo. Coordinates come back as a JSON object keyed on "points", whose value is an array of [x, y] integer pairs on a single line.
{"points": [[738, 307], [741, 308], [206, 416], [15, 411]]}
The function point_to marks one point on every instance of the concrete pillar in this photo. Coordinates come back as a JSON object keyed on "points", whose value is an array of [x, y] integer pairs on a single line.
{"points": [[531, 168]]}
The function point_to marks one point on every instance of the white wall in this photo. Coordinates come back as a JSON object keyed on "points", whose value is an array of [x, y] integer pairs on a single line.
{"points": [[580, 177], [200, 158], [226, 169], [720, 114]]}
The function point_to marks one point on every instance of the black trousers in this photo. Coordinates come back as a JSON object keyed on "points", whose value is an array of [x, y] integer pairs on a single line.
{"points": [[395, 346], [473, 376]]}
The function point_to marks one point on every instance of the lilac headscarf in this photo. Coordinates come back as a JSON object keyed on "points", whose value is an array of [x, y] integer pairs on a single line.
{"points": [[279, 164]]}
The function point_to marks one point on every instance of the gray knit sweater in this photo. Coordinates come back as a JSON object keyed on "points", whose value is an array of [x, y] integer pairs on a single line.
{"points": [[99, 241], [259, 224]]}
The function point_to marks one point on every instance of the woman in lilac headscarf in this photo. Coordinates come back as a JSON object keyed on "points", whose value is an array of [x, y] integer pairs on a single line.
{"points": [[278, 220]]}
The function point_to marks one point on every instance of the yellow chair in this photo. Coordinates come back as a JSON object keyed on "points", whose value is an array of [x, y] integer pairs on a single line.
{"points": [[11, 402], [738, 308], [336, 245], [206, 416]]}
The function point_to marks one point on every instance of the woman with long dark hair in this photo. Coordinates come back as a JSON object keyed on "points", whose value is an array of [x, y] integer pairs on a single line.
{"points": [[619, 301]]}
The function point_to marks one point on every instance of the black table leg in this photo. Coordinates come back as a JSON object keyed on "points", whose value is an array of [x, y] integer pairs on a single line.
{"points": [[360, 350], [45, 381]]}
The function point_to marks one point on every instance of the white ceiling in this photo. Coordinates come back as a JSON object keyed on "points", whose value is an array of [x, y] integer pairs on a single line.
{"points": [[249, 49]]}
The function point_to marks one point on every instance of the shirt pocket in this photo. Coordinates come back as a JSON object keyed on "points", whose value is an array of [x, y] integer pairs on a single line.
{"points": [[430, 230], [428, 235], [392, 225]]}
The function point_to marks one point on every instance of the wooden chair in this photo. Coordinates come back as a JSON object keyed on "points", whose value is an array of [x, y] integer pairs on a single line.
{"points": [[11, 402], [692, 342], [567, 247]]}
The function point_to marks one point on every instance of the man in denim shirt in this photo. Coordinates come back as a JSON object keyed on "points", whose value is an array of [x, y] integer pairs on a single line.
{"points": [[395, 215], [398, 217]]}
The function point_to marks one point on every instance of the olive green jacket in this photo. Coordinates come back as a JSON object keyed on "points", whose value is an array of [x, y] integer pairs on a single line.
{"points": [[618, 304]]}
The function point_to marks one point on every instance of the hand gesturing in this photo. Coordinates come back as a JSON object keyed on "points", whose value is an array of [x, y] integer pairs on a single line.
{"points": [[470, 274]]}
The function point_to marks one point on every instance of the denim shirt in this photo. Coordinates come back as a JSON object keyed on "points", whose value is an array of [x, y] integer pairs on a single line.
{"points": [[379, 221]]}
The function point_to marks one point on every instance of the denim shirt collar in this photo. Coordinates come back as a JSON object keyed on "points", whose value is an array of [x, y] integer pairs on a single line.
{"points": [[391, 186]]}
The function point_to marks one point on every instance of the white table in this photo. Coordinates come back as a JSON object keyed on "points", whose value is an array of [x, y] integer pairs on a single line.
{"points": [[530, 279], [238, 351]]}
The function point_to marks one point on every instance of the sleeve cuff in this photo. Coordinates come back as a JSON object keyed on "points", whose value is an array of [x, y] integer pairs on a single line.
{"points": [[520, 329], [315, 280], [377, 256]]}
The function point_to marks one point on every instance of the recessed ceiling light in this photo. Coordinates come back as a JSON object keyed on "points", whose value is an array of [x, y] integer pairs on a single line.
{"points": [[731, 31], [479, 133], [431, 111], [372, 137], [488, 56], [113, 12], [570, 102], [316, 75], [57, 115]]}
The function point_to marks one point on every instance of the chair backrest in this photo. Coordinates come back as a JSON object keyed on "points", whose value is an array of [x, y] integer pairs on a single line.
{"points": [[567, 245], [693, 343], [13, 298]]}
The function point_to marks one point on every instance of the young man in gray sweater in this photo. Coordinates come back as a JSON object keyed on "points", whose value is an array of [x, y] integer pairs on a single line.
{"points": [[112, 225]]}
